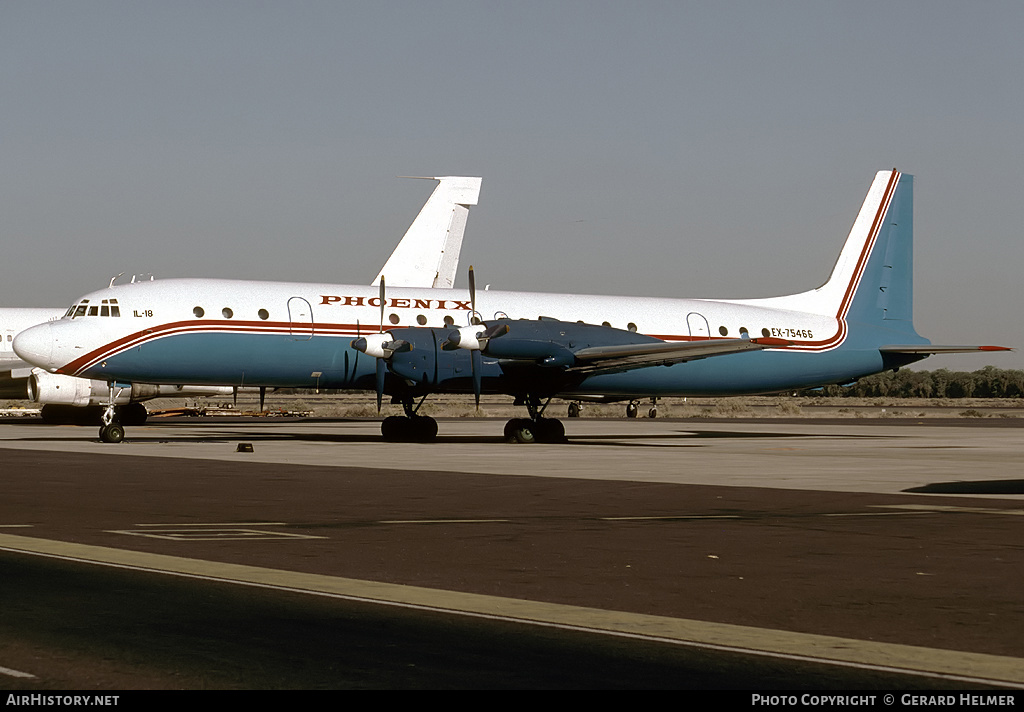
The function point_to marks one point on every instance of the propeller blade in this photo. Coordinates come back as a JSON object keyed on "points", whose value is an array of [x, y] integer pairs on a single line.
{"points": [[478, 367], [381, 372], [474, 316], [381, 304]]}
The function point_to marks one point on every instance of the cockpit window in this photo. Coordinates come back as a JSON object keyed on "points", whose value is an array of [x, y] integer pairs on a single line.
{"points": [[107, 307]]}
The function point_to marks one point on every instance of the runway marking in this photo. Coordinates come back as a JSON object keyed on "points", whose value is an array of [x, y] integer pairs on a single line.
{"points": [[16, 526], [211, 534], [15, 673], [441, 521], [870, 514], [176, 525], [954, 665], [925, 508], [669, 518]]}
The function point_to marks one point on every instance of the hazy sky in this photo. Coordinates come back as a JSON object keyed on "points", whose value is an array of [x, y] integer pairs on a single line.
{"points": [[705, 149]]}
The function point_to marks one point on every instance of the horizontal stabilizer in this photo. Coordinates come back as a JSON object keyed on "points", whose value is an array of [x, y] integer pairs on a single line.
{"points": [[938, 349]]}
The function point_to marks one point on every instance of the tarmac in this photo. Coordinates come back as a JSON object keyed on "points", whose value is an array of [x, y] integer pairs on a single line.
{"points": [[886, 546]]}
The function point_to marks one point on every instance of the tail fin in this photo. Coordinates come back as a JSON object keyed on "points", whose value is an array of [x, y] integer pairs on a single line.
{"points": [[428, 255], [873, 279]]}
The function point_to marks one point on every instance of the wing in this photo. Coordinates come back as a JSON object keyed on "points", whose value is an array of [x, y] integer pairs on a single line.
{"points": [[626, 357]]}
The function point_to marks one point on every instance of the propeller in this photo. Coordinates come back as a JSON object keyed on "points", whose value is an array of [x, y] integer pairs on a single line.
{"points": [[381, 346], [474, 338]]}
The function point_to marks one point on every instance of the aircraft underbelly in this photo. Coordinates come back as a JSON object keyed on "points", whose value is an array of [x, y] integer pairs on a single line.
{"points": [[737, 374], [240, 359]]}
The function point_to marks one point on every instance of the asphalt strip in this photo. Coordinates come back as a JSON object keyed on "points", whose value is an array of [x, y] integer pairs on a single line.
{"points": [[889, 657]]}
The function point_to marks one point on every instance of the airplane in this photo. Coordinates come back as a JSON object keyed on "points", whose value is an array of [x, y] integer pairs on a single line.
{"points": [[406, 343], [68, 400], [426, 256]]}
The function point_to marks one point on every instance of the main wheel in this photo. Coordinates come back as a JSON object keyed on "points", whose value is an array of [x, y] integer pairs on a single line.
{"points": [[574, 410], [423, 429], [549, 430], [631, 410], [519, 430], [112, 433], [525, 432], [393, 428]]}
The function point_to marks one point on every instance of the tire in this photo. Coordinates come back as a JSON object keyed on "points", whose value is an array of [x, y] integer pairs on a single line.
{"points": [[524, 433], [113, 433], [393, 428], [632, 410], [549, 430], [424, 429]]}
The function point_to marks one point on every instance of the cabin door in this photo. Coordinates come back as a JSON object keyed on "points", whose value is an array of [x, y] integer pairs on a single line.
{"points": [[698, 326], [300, 316]]}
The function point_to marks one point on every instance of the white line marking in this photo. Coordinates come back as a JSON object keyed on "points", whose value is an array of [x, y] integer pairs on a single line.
{"points": [[924, 508], [932, 663], [14, 673]]}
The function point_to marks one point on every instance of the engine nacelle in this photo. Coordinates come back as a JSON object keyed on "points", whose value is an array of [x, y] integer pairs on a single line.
{"points": [[57, 388], [376, 345], [466, 337]]}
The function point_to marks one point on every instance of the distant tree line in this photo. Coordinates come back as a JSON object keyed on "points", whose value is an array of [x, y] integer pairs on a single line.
{"points": [[989, 382]]}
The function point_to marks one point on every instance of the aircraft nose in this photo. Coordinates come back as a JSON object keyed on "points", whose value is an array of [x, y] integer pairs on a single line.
{"points": [[35, 345]]}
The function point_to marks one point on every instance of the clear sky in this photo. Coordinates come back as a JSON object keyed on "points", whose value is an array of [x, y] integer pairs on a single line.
{"points": [[690, 149]]}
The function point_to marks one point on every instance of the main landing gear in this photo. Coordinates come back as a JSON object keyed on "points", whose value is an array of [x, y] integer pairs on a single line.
{"points": [[409, 428], [536, 428], [633, 409]]}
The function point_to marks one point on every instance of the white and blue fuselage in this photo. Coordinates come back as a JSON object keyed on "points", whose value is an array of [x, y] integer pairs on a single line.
{"points": [[276, 334]]}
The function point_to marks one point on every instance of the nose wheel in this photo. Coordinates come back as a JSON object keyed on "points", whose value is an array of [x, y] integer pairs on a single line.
{"points": [[112, 433]]}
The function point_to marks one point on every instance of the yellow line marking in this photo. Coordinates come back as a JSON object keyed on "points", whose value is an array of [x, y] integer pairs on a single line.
{"points": [[947, 664]]}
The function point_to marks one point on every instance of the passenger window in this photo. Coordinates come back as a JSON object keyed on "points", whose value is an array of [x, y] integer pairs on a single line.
{"points": [[393, 318], [264, 314], [421, 320], [227, 313], [631, 326], [198, 311]]}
